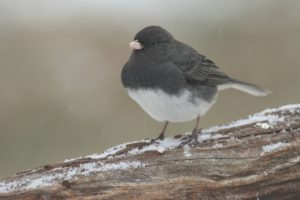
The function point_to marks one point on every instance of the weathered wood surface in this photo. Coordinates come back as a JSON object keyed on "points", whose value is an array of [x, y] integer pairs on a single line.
{"points": [[256, 158]]}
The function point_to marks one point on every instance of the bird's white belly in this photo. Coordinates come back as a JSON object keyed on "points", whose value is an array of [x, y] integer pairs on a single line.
{"points": [[164, 107]]}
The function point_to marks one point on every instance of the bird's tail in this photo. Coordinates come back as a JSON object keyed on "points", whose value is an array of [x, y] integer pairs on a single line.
{"points": [[246, 87]]}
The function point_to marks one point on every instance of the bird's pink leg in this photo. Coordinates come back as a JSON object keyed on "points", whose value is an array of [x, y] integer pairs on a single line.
{"points": [[162, 134], [195, 131]]}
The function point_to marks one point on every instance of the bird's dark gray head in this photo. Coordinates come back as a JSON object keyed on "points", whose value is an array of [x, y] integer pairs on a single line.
{"points": [[151, 36], [152, 42]]}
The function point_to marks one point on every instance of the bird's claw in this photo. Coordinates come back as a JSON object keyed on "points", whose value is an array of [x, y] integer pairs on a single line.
{"points": [[193, 138]]}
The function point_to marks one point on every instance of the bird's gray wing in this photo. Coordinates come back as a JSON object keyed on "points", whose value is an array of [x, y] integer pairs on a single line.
{"points": [[197, 68]]}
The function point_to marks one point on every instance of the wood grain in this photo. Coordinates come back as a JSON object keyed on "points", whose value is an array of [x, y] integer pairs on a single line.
{"points": [[255, 160]]}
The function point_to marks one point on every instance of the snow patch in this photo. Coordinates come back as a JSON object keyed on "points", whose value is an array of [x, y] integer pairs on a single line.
{"points": [[204, 136], [89, 168], [208, 136], [159, 146], [218, 145], [290, 107], [62, 174], [108, 152], [71, 159], [273, 147], [271, 119], [262, 119], [187, 150], [263, 125]]}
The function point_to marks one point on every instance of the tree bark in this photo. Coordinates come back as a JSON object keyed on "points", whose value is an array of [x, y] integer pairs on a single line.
{"points": [[254, 158]]}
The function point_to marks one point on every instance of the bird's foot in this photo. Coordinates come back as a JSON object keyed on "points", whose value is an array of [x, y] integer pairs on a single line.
{"points": [[161, 137], [196, 131], [193, 138]]}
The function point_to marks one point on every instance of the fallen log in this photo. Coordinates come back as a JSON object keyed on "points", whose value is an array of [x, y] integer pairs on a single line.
{"points": [[253, 158]]}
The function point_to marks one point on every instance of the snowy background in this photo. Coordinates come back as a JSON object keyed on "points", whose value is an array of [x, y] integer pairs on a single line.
{"points": [[60, 64]]}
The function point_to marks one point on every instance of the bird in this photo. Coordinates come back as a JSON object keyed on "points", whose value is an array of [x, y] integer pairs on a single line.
{"points": [[171, 81]]}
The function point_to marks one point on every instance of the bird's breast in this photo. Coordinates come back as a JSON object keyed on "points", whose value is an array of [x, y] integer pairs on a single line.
{"points": [[165, 107], [153, 76]]}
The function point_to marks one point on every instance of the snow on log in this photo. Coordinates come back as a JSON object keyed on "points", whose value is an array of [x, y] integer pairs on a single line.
{"points": [[253, 158]]}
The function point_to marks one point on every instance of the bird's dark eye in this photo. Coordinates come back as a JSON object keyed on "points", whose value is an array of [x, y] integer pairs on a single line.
{"points": [[152, 43]]}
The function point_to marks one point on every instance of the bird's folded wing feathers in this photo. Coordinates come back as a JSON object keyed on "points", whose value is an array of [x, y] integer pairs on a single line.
{"points": [[217, 77], [205, 71]]}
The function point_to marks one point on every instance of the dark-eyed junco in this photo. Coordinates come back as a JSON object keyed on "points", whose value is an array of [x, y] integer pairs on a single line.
{"points": [[171, 81]]}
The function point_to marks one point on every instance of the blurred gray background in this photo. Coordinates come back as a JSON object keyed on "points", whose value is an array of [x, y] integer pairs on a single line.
{"points": [[60, 64]]}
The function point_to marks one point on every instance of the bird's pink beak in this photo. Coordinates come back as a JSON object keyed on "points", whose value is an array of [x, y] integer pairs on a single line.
{"points": [[135, 45]]}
